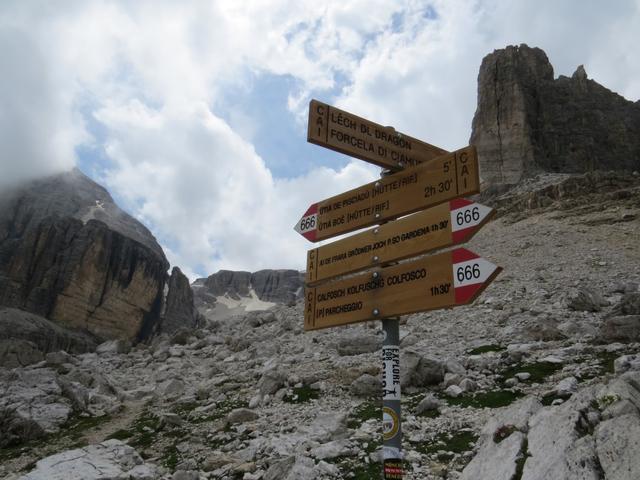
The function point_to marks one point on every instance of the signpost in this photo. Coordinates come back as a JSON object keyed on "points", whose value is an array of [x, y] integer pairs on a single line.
{"points": [[443, 280], [444, 178], [449, 223], [424, 179], [349, 134]]}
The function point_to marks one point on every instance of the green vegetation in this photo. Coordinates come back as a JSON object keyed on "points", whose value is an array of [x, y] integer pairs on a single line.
{"points": [[301, 395], [459, 442], [495, 399], [486, 349], [171, 457], [520, 461], [538, 371], [363, 412]]}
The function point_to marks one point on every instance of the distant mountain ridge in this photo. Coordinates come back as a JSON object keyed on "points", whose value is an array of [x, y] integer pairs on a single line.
{"points": [[239, 291]]}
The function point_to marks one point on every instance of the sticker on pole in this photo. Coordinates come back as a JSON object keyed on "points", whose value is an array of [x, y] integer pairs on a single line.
{"points": [[471, 274], [391, 372], [390, 423]]}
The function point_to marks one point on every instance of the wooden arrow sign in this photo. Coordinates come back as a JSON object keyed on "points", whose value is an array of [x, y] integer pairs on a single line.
{"points": [[447, 224], [444, 280], [439, 180], [346, 133]]}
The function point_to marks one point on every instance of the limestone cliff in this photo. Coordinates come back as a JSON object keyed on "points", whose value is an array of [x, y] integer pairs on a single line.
{"points": [[180, 311], [68, 253], [527, 122], [233, 292]]}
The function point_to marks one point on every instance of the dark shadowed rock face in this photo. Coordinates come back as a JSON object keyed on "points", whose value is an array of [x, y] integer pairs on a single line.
{"points": [[68, 253], [25, 338], [180, 311], [527, 122]]}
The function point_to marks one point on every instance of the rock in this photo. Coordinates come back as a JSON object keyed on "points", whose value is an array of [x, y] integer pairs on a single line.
{"points": [[366, 386], [114, 347], [587, 300], [180, 311], [25, 338], [617, 444], [242, 415], [626, 363], [429, 371], [468, 385], [109, 460], [496, 461], [270, 382], [171, 389], [625, 328], [69, 254], [279, 469], [358, 344], [523, 376], [185, 475], [428, 403], [526, 121], [326, 427], [334, 449], [557, 444], [628, 305], [32, 405], [454, 391], [566, 387]]}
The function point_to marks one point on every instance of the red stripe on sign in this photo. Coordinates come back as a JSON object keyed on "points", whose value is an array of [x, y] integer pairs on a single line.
{"points": [[311, 235], [457, 203], [312, 209], [466, 293], [462, 236], [460, 255]]}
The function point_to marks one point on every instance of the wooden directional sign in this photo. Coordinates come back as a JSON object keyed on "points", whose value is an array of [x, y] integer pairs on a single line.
{"points": [[447, 224], [346, 133], [447, 279], [439, 180]]}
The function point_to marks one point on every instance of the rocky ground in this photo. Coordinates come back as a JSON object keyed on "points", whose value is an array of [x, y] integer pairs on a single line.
{"points": [[536, 380]]}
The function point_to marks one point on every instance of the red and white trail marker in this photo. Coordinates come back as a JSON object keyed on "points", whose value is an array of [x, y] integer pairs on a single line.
{"points": [[444, 280], [447, 224]]}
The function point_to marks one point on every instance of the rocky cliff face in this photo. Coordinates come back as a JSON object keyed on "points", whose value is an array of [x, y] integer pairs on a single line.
{"points": [[527, 122], [180, 311], [68, 253], [229, 292]]}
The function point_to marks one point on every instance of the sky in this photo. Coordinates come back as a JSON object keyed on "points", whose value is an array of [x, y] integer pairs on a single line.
{"points": [[193, 113]]}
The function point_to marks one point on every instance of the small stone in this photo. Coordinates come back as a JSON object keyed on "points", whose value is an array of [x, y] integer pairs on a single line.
{"points": [[366, 386], [428, 403], [242, 415], [453, 391], [523, 376], [468, 385]]}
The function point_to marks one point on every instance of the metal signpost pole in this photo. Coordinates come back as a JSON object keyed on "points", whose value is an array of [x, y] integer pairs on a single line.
{"points": [[391, 395], [391, 419]]}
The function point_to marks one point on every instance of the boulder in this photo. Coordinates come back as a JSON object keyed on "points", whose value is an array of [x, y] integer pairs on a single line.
{"points": [[25, 338], [357, 344], [108, 460], [623, 328], [617, 444], [366, 386], [587, 300]]}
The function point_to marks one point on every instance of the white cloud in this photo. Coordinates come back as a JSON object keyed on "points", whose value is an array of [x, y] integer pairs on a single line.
{"points": [[153, 75]]}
